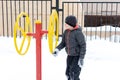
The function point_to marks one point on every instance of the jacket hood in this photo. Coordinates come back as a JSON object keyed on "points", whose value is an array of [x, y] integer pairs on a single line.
{"points": [[77, 27]]}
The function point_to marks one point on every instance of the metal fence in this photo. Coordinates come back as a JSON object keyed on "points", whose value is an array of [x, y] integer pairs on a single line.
{"points": [[10, 9], [98, 19], [101, 19]]}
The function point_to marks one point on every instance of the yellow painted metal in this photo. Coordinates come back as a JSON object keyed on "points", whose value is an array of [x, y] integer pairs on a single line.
{"points": [[53, 29], [28, 28], [37, 21]]}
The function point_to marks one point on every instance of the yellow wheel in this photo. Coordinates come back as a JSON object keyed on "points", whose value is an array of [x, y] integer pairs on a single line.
{"points": [[53, 29], [28, 28]]}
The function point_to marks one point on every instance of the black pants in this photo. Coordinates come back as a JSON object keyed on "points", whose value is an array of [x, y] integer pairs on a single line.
{"points": [[73, 69]]}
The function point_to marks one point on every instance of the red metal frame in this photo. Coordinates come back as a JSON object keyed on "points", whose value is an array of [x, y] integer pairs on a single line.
{"points": [[38, 35]]}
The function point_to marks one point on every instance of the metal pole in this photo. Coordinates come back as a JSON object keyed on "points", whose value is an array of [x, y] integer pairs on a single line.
{"points": [[38, 52], [38, 36]]}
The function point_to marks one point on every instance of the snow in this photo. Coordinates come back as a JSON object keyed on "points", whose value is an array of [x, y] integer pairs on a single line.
{"points": [[103, 28], [106, 32], [101, 61]]}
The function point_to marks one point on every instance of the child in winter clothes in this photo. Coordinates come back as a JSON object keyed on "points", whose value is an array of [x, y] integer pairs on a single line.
{"points": [[75, 45]]}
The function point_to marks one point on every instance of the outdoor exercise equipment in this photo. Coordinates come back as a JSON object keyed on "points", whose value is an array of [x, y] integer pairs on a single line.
{"points": [[53, 29], [28, 28]]}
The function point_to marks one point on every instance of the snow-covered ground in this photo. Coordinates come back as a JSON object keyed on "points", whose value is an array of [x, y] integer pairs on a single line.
{"points": [[102, 28], [101, 62], [106, 32]]}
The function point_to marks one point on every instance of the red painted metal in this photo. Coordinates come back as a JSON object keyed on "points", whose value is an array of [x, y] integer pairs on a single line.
{"points": [[38, 35]]}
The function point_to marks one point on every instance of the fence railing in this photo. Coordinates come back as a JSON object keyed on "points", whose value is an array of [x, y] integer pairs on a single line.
{"points": [[101, 20], [10, 9]]}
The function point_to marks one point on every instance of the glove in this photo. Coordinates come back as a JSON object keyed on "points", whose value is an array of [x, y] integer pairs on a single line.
{"points": [[80, 62], [55, 52]]}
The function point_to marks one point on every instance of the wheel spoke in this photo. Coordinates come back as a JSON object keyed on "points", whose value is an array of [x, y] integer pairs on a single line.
{"points": [[21, 46], [23, 32]]}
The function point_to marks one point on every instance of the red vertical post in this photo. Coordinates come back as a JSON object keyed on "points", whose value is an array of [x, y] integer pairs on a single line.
{"points": [[38, 51], [38, 35]]}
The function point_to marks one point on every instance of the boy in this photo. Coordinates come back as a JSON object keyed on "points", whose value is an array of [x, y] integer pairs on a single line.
{"points": [[75, 45]]}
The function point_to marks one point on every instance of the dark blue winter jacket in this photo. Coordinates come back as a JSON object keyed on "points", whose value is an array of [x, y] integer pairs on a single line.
{"points": [[74, 42]]}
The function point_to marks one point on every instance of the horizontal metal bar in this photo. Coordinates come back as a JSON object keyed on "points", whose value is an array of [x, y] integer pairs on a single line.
{"points": [[90, 2], [60, 9], [53, 7], [28, 0]]}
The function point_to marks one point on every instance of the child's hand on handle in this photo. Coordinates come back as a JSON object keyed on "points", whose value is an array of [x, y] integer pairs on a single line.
{"points": [[55, 52]]}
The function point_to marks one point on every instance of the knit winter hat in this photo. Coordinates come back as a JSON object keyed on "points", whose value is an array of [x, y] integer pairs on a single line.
{"points": [[71, 20]]}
